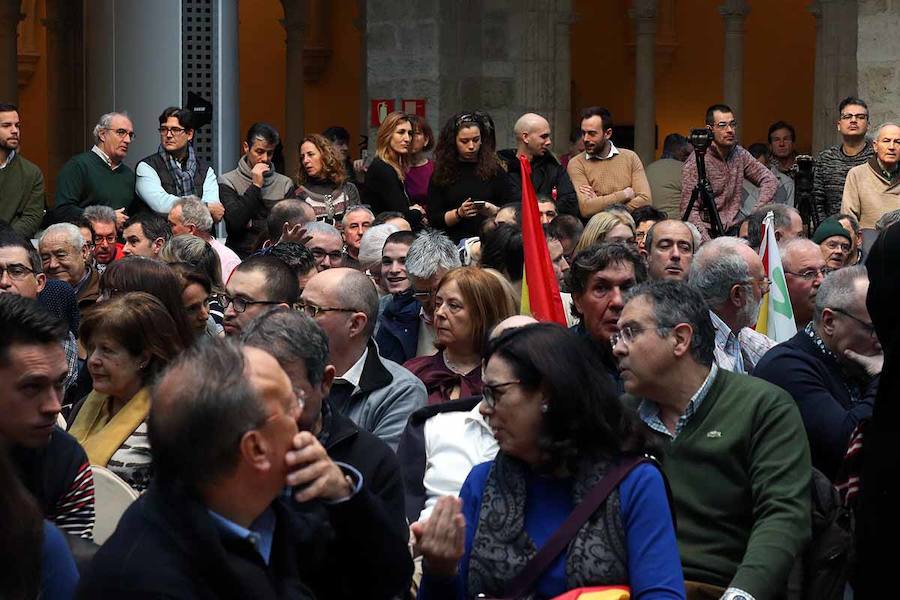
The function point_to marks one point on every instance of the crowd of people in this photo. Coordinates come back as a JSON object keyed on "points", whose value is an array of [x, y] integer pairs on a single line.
{"points": [[340, 398]]}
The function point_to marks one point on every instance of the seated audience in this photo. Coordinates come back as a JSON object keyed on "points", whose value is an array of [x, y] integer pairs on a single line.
{"points": [[835, 243], [356, 222], [503, 250], [669, 250], [804, 271], [560, 430], [398, 312], [145, 234], [831, 367], [788, 224], [849, 222], [468, 303], [734, 449], [326, 244], [392, 217], [251, 190], [192, 216], [104, 226], [547, 208], [606, 227], [64, 256], [387, 173], [199, 254], [256, 284], [645, 217], [376, 394], [322, 181], [731, 278], [598, 279], [49, 462], [567, 229]]}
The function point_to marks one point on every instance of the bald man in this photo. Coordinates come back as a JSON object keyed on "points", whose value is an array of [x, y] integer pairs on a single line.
{"points": [[548, 176], [376, 394]]}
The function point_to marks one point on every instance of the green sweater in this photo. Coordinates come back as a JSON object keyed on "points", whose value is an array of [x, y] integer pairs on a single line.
{"points": [[22, 195], [85, 181], [740, 473]]}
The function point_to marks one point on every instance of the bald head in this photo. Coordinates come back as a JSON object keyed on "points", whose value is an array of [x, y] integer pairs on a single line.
{"points": [[532, 133], [512, 322], [347, 289]]}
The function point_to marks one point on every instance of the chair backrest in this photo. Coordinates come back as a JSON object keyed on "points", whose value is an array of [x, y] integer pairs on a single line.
{"points": [[61, 421], [111, 496]]}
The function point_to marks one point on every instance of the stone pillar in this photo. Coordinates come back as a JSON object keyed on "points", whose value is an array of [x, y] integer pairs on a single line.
{"points": [[733, 13], [643, 14], [10, 15], [836, 68], [877, 55], [294, 26]]}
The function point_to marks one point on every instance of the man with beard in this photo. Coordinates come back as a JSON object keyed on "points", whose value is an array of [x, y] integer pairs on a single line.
{"points": [[547, 175], [731, 278], [598, 279], [727, 165], [605, 175], [21, 181]]}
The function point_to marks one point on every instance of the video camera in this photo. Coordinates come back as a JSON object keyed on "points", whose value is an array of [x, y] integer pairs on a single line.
{"points": [[700, 138]]}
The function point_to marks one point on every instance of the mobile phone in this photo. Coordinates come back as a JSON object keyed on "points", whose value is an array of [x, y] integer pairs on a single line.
{"points": [[479, 204]]}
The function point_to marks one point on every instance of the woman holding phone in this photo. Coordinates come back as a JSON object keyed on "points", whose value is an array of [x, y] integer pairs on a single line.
{"points": [[468, 184]]}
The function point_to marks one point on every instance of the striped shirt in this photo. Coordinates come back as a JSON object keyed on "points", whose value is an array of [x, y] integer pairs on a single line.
{"points": [[832, 166], [74, 512], [132, 461]]}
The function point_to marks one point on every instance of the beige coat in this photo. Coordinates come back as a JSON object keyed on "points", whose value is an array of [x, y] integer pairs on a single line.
{"points": [[868, 194]]}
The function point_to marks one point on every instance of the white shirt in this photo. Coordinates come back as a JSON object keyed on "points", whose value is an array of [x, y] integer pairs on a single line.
{"points": [[96, 150], [612, 152], [425, 343], [9, 157], [354, 373], [454, 443], [227, 258]]}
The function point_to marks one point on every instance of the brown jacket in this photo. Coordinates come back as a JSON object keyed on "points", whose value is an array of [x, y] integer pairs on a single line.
{"points": [[868, 194]]}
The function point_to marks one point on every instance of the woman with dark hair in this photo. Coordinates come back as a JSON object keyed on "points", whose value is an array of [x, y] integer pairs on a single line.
{"points": [[195, 292], [560, 430], [322, 180], [199, 253], [468, 184], [129, 338], [468, 303], [420, 168], [36, 561], [140, 274], [385, 176]]}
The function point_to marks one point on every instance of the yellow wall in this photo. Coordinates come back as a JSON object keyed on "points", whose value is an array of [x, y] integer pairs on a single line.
{"points": [[332, 100], [779, 57]]}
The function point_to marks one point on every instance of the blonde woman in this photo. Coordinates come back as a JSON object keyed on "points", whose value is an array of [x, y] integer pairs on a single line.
{"points": [[606, 227], [385, 190]]}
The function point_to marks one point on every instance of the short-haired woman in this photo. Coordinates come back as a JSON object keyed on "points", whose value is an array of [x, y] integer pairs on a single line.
{"points": [[467, 304], [468, 184], [129, 339], [385, 177], [322, 181], [560, 429]]}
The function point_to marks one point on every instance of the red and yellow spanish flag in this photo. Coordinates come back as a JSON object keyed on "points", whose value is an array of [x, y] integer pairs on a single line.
{"points": [[540, 290]]}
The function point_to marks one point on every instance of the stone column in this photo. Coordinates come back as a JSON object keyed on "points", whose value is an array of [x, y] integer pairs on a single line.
{"points": [[294, 26], [10, 15], [643, 14], [836, 66], [733, 13]]}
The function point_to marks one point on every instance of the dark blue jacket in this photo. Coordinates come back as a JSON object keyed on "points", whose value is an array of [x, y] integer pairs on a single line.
{"points": [[398, 328], [818, 385]]}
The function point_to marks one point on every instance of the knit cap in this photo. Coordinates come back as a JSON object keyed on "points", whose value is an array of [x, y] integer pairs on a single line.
{"points": [[829, 228]]}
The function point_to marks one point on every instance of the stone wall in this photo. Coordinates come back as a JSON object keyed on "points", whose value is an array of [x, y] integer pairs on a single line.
{"points": [[878, 59]]}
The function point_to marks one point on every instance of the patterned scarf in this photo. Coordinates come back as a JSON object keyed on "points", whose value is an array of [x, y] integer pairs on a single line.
{"points": [[184, 177], [853, 387], [501, 548]]}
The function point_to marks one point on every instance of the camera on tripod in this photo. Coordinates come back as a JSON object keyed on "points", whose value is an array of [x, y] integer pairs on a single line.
{"points": [[700, 138], [803, 191]]}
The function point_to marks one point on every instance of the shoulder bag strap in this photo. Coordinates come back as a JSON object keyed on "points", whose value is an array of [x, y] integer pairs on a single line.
{"points": [[558, 542]]}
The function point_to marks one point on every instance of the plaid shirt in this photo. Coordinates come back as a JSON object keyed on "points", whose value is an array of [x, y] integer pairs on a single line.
{"points": [[738, 353], [648, 410]]}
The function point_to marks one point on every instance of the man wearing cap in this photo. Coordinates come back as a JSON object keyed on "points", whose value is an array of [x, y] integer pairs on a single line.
{"points": [[835, 243]]}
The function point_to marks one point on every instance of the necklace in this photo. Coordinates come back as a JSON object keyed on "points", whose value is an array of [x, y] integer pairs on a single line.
{"points": [[459, 369]]}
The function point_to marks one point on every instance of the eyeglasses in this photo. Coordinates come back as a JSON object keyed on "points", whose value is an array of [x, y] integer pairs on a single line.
{"points": [[319, 254], [163, 130], [836, 245], [15, 271], [869, 327], [122, 133], [628, 334], [726, 125], [104, 239], [295, 410], [810, 274], [241, 304], [313, 311], [488, 391], [857, 116]]}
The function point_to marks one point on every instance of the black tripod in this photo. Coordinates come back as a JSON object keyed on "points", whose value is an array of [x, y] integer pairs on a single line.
{"points": [[703, 190]]}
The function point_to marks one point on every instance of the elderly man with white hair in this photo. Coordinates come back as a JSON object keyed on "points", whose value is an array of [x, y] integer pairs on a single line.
{"points": [[356, 222], [370, 249], [99, 176], [804, 270], [65, 256], [548, 176], [873, 188], [191, 216]]}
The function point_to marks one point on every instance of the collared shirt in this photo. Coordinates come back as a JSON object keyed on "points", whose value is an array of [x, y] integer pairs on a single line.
{"points": [[751, 346], [886, 173], [84, 279], [649, 410], [9, 158], [261, 532], [612, 152], [354, 373], [96, 150], [728, 346]]}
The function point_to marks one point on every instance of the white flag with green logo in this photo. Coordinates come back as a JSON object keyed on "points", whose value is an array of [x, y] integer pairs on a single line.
{"points": [[776, 317]]}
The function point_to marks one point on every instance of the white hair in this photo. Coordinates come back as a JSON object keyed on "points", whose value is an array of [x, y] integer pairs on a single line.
{"points": [[72, 233], [354, 209], [105, 122], [195, 212], [372, 243]]}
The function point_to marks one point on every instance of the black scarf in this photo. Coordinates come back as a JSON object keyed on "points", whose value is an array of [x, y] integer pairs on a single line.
{"points": [[501, 547]]}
